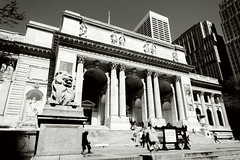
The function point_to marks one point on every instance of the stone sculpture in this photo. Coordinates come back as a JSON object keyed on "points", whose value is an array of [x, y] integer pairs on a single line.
{"points": [[62, 90]]}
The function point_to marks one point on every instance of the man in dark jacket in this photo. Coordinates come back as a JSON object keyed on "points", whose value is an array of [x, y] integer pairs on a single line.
{"points": [[85, 143]]}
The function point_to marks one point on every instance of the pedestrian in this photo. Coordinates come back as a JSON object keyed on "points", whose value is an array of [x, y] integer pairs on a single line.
{"points": [[85, 143], [151, 139], [144, 138], [215, 137]]}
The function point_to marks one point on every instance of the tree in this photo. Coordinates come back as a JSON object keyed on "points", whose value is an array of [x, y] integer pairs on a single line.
{"points": [[231, 96], [10, 14]]}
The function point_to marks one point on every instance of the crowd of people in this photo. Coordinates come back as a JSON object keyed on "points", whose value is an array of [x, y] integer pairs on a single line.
{"points": [[145, 137]]}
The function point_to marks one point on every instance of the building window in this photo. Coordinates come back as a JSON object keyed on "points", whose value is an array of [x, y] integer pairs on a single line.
{"points": [[206, 98], [209, 114], [198, 113], [220, 117], [195, 97]]}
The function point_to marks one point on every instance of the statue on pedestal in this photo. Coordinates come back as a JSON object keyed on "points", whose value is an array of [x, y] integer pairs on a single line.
{"points": [[62, 90]]}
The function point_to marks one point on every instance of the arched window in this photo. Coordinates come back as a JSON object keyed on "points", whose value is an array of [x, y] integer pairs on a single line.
{"points": [[209, 114], [220, 117], [198, 113]]}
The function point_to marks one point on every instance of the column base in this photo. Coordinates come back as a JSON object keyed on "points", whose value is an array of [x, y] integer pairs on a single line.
{"points": [[118, 123]]}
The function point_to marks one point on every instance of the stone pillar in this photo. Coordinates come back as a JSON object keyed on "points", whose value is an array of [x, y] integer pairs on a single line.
{"points": [[157, 97], [204, 109], [216, 120], [114, 91], [122, 91], [79, 80], [224, 112], [107, 98], [179, 99], [151, 112], [144, 103]]}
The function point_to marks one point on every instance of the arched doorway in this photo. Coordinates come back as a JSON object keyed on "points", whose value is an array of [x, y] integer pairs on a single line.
{"points": [[167, 101], [94, 88], [134, 91]]}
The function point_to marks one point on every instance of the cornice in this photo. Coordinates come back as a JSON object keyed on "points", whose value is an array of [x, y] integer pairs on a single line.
{"points": [[20, 47], [115, 51], [126, 32], [205, 84]]}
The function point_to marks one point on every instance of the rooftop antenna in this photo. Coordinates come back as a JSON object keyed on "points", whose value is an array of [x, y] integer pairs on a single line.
{"points": [[109, 17]]}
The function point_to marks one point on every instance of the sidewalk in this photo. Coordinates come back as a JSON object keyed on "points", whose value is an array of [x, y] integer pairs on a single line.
{"points": [[132, 152]]}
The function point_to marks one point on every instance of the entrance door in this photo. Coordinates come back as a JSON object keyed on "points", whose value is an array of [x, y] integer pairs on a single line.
{"points": [[87, 113]]}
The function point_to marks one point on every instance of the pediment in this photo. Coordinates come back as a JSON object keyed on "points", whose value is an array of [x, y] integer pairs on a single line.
{"points": [[88, 103]]}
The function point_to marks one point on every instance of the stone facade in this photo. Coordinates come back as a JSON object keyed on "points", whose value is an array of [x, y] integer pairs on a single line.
{"points": [[115, 78]]}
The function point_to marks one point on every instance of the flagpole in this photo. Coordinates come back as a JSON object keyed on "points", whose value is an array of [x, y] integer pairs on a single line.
{"points": [[109, 17]]}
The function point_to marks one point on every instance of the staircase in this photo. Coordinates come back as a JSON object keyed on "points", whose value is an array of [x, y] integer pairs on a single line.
{"points": [[103, 136]]}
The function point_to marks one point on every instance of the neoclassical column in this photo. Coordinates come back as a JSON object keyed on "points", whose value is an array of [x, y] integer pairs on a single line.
{"points": [[150, 95], [107, 98], [204, 109], [79, 80], [122, 91], [144, 102], [216, 120], [157, 97], [179, 99], [224, 112], [114, 91]]}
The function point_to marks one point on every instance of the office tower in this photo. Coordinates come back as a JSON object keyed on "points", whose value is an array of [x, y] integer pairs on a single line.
{"points": [[230, 16], [205, 50], [155, 26]]}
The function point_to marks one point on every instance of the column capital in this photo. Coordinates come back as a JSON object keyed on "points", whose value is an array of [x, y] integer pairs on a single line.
{"points": [[155, 74], [202, 93], [80, 59], [177, 79], [148, 72], [212, 95], [122, 67], [113, 66]]}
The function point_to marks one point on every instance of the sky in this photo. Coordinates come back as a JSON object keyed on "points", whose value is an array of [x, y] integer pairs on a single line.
{"points": [[182, 14]]}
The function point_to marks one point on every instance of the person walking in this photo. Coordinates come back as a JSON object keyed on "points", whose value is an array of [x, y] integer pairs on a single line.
{"points": [[151, 139], [215, 137], [85, 143]]}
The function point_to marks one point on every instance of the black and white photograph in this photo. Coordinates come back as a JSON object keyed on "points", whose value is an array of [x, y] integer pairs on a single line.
{"points": [[119, 79]]}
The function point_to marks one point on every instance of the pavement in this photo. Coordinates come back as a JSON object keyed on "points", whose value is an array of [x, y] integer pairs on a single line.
{"points": [[130, 151]]}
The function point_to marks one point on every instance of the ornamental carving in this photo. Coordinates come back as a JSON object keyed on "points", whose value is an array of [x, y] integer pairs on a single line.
{"points": [[118, 39], [122, 67], [62, 90], [82, 28], [148, 73], [149, 48], [114, 66], [175, 56], [7, 66], [80, 59]]}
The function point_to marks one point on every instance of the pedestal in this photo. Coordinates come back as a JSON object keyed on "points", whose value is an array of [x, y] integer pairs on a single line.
{"points": [[60, 134]]}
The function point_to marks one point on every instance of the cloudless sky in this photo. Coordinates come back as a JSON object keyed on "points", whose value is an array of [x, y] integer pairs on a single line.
{"points": [[182, 14]]}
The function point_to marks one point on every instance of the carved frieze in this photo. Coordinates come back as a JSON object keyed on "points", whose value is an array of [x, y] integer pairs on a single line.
{"points": [[175, 56], [149, 48], [118, 39], [82, 28]]}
